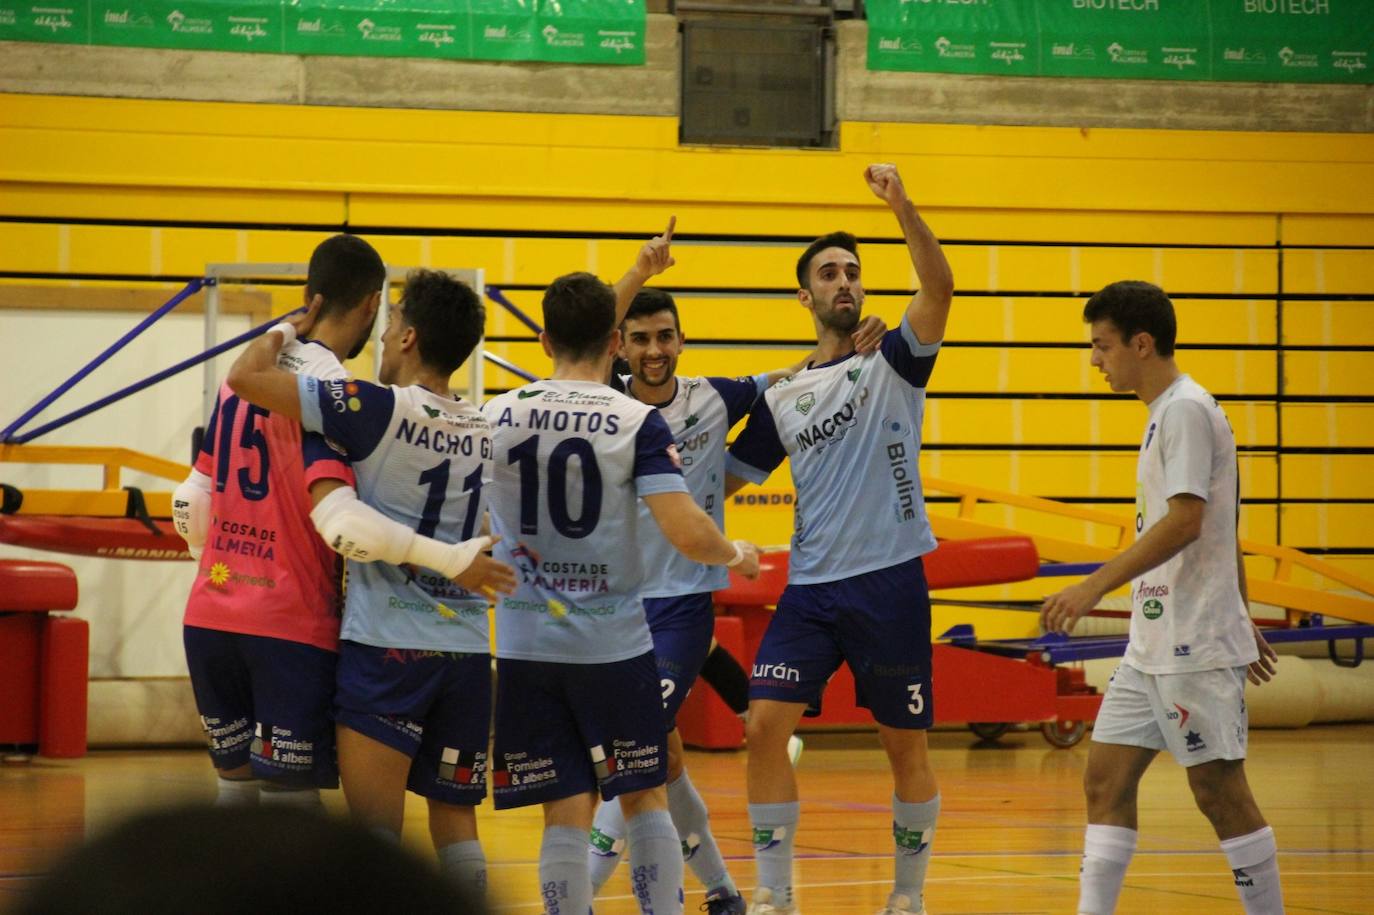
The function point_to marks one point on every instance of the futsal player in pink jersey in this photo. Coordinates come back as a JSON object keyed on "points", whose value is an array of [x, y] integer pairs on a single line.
{"points": [[262, 621]]}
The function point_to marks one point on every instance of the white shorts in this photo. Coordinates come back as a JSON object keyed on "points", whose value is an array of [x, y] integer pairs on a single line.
{"points": [[1198, 716]]}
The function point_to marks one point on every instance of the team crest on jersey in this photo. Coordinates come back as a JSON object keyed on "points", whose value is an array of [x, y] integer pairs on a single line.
{"points": [[805, 403], [853, 374], [430, 411]]}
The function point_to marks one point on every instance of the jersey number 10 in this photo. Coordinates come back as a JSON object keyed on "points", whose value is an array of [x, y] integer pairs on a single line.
{"points": [[526, 454]]}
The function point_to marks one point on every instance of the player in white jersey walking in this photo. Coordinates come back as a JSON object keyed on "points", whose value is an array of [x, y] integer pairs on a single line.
{"points": [[578, 709], [1181, 686], [850, 427], [679, 593], [412, 703]]}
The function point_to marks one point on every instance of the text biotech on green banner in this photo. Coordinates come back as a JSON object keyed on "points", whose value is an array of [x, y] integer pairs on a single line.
{"points": [[1278, 41], [553, 31]]}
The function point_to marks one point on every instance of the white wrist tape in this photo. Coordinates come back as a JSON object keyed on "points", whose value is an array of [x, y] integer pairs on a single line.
{"points": [[739, 555], [357, 531], [191, 511], [449, 559], [287, 331]]}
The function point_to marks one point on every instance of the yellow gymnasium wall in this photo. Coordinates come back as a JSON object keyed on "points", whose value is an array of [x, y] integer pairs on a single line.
{"points": [[1266, 241]]}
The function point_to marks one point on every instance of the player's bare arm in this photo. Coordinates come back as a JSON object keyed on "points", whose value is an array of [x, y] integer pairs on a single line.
{"points": [[255, 377], [692, 532], [929, 309], [654, 257], [734, 484], [1178, 528]]}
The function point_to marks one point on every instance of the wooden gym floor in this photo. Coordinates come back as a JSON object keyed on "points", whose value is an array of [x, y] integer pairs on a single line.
{"points": [[1008, 839]]}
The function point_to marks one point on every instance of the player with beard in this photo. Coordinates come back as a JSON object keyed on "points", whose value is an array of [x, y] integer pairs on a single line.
{"points": [[849, 425], [679, 593], [262, 621]]}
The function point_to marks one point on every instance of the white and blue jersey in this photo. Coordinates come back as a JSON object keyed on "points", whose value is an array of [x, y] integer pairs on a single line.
{"points": [[701, 412], [422, 460], [571, 459], [852, 432]]}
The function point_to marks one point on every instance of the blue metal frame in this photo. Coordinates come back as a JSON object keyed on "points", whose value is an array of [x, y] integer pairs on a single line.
{"points": [[499, 297], [8, 435], [1055, 648], [137, 386]]}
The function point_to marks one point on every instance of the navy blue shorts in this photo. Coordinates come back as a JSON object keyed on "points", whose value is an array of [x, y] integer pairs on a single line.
{"points": [[681, 628], [566, 729], [878, 623], [433, 706], [265, 701]]}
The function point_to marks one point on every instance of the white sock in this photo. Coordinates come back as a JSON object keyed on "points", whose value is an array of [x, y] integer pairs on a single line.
{"points": [[1254, 860], [655, 863], [775, 829], [606, 843], [699, 847], [564, 883], [913, 826], [465, 864], [303, 798], [236, 792], [1107, 850]]}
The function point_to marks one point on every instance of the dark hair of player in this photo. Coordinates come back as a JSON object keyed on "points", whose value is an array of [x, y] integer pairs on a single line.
{"points": [[579, 316], [447, 315], [345, 270], [1133, 306], [650, 302], [201, 859], [833, 240]]}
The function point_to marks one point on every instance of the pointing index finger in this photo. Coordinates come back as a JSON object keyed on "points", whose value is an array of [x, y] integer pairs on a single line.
{"points": [[672, 223]]}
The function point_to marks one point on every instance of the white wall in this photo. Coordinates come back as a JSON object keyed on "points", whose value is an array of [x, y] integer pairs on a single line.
{"points": [[134, 608]]}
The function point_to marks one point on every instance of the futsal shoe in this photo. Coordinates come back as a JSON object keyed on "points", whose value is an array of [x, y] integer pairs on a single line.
{"points": [[794, 749], [899, 905], [763, 904], [722, 903]]}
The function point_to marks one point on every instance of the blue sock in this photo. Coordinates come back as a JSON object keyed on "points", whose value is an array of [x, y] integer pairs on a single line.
{"points": [[699, 848], [913, 826], [464, 864], [775, 827], [607, 843], [564, 884], [655, 863]]}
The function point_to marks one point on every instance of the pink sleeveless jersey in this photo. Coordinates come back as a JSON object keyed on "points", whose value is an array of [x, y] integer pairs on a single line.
{"points": [[265, 571]]}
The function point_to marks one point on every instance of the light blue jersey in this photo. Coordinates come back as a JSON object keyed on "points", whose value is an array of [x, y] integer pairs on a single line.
{"points": [[422, 460], [571, 460], [852, 432], [700, 414]]}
